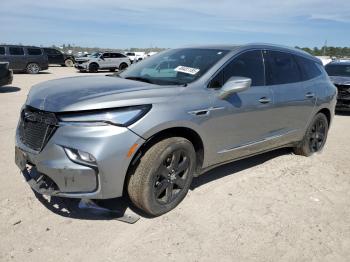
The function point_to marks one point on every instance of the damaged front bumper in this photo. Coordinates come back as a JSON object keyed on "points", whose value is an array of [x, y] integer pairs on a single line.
{"points": [[52, 172]]}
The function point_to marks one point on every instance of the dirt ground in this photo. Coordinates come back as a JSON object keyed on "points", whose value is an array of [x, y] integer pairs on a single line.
{"points": [[274, 207]]}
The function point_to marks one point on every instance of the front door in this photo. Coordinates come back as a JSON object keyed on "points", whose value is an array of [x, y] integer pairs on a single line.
{"points": [[240, 124]]}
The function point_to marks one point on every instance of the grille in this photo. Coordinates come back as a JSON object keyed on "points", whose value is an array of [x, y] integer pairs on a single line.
{"points": [[343, 91], [36, 128]]}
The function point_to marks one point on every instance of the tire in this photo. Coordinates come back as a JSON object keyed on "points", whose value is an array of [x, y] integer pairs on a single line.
{"points": [[163, 176], [122, 66], [93, 68], [69, 62], [33, 68], [315, 136]]}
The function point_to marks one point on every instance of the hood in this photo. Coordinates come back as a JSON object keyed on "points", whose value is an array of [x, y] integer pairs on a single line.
{"points": [[96, 92], [340, 80]]}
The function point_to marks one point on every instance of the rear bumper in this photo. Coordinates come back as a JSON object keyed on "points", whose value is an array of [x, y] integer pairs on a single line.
{"points": [[52, 172], [7, 80]]}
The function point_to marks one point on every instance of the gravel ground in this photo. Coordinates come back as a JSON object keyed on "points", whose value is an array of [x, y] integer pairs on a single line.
{"points": [[273, 207]]}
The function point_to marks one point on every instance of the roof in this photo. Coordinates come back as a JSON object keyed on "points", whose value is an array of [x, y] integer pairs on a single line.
{"points": [[259, 46]]}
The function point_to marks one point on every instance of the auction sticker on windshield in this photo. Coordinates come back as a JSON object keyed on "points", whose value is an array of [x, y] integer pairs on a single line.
{"points": [[187, 70]]}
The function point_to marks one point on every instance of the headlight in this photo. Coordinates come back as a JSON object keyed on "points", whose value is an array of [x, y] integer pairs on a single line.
{"points": [[119, 117]]}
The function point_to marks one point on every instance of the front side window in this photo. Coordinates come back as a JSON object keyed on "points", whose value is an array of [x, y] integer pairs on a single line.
{"points": [[249, 64], [106, 55], [281, 68], [34, 51], [338, 70], [2, 50], [16, 51], [175, 67]]}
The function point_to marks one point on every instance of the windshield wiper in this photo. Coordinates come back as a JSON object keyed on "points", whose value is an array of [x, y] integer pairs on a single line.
{"points": [[138, 78]]}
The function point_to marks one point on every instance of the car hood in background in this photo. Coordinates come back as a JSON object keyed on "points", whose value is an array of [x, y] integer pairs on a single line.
{"points": [[340, 80], [96, 92]]}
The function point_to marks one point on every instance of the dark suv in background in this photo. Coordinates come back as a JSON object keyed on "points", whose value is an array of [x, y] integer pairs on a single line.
{"points": [[56, 57], [339, 72], [28, 59]]}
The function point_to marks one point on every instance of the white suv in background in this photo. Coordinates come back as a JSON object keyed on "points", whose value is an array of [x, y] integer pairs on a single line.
{"points": [[136, 56], [105, 60]]}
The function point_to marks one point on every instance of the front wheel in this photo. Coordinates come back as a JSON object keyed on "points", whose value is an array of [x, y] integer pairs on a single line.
{"points": [[33, 68], [93, 68], [315, 136], [162, 178]]}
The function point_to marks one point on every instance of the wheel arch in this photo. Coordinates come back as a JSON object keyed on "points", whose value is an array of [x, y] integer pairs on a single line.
{"points": [[185, 132], [327, 113]]}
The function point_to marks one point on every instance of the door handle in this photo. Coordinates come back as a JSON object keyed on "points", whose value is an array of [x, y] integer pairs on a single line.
{"points": [[264, 100], [310, 95]]}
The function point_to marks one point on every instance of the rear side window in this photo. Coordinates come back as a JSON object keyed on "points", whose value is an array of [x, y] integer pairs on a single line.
{"points": [[308, 67], [16, 51], [117, 55], [249, 64], [34, 51], [281, 68], [2, 50]]}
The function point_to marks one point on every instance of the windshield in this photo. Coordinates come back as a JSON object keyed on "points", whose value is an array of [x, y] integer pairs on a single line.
{"points": [[174, 67], [338, 70], [95, 55]]}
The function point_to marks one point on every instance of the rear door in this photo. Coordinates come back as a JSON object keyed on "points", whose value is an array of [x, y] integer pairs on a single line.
{"points": [[17, 58], [294, 99], [116, 60]]}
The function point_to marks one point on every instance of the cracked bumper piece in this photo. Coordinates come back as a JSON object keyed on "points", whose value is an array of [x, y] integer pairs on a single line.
{"points": [[52, 172]]}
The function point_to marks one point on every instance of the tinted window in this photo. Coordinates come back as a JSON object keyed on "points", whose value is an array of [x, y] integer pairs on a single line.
{"points": [[2, 50], [117, 55], [48, 51], [34, 51], [106, 55], [308, 67], [16, 51], [338, 70], [249, 64], [281, 68]]}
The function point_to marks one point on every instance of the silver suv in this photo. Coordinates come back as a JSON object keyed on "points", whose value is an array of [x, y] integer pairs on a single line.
{"points": [[106, 60], [150, 129]]}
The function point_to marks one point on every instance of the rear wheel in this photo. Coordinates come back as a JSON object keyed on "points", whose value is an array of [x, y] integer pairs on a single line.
{"points": [[68, 62], [315, 137], [33, 68], [93, 68], [163, 176]]}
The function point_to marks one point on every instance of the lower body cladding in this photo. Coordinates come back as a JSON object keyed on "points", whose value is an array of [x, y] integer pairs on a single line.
{"points": [[81, 66], [53, 171]]}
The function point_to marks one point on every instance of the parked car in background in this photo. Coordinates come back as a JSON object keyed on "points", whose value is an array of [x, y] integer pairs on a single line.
{"points": [[339, 72], [136, 56], [106, 60], [56, 57], [28, 59], [99, 137], [6, 75]]}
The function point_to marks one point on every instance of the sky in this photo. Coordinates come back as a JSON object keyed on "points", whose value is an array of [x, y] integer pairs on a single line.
{"points": [[165, 23]]}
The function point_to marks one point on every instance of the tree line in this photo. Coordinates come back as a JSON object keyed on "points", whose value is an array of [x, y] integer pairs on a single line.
{"points": [[328, 51]]}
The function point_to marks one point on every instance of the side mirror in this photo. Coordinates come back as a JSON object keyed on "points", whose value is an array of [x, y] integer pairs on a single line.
{"points": [[234, 85], [101, 57]]}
